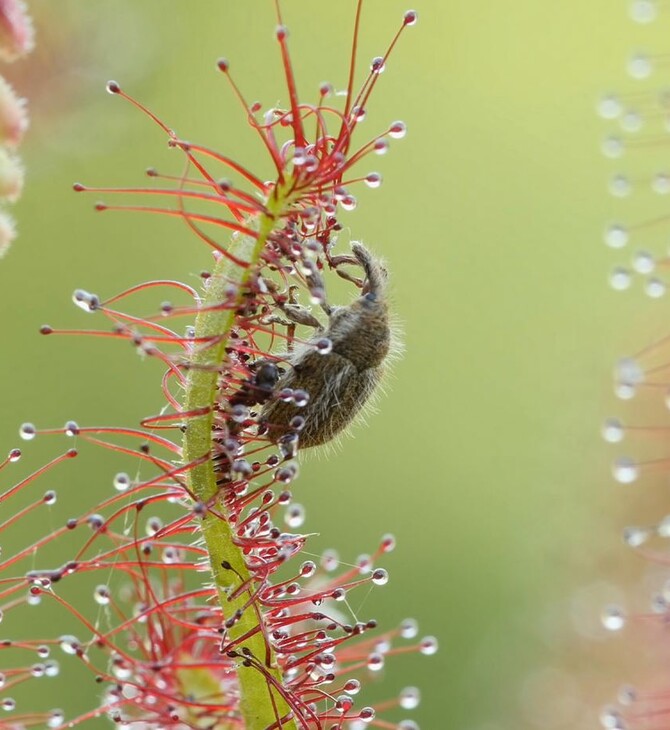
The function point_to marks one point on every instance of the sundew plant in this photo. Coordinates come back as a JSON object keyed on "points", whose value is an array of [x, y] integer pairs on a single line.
{"points": [[201, 611], [637, 118]]}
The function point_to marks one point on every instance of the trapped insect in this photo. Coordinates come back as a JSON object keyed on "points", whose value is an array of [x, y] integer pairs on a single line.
{"points": [[331, 377]]}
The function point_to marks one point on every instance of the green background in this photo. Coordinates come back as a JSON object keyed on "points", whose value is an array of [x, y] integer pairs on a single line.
{"points": [[485, 459]]}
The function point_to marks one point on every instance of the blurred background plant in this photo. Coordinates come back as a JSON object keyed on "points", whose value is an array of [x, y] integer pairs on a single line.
{"points": [[16, 40], [486, 462]]}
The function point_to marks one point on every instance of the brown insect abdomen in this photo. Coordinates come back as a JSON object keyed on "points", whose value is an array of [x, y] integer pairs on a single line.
{"points": [[337, 392]]}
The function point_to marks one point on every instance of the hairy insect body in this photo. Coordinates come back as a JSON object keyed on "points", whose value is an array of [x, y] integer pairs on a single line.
{"points": [[339, 368]]}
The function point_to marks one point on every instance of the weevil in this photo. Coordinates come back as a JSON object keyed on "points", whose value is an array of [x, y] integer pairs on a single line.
{"points": [[339, 368]]}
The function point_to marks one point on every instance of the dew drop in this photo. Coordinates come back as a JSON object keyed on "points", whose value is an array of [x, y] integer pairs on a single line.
{"points": [[69, 644], [378, 66], [373, 180], [613, 618], [620, 186], [616, 236], [612, 147], [367, 714], [49, 497], [654, 288], [352, 687], [375, 662], [348, 202], [380, 577], [631, 121], [612, 431], [627, 694], [295, 516], [330, 560], [14, 455], [660, 183], [410, 698], [8, 704], [71, 429], [629, 371], [411, 17], [409, 628], [625, 470], [153, 525], [343, 704], [324, 346], [407, 725], [663, 527], [307, 569], [609, 107], [643, 262], [639, 66], [397, 130], [429, 645], [610, 718], [624, 391], [620, 279], [643, 11], [286, 474], [121, 482], [85, 300], [56, 718], [102, 595], [301, 399], [381, 147], [27, 431], [635, 536], [52, 668]]}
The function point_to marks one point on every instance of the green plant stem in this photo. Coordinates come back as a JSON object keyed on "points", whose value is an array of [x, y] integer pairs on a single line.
{"points": [[260, 703]]}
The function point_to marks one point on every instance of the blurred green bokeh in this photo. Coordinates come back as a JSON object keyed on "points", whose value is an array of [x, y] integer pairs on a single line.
{"points": [[485, 460]]}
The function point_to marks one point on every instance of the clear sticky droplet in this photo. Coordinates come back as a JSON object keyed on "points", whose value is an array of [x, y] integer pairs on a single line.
{"points": [[27, 431], [121, 482], [378, 66], [620, 279], [654, 288], [643, 262], [613, 618], [429, 645], [625, 470], [643, 11], [632, 121], [324, 346], [102, 595], [660, 183], [409, 628], [639, 66], [620, 186], [295, 516], [616, 236], [609, 107], [56, 718], [612, 147], [410, 698], [629, 371], [636, 536], [610, 718], [69, 644], [380, 577], [612, 431]]}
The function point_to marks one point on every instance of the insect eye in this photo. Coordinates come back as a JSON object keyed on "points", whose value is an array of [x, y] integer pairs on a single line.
{"points": [[370, 297]]}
